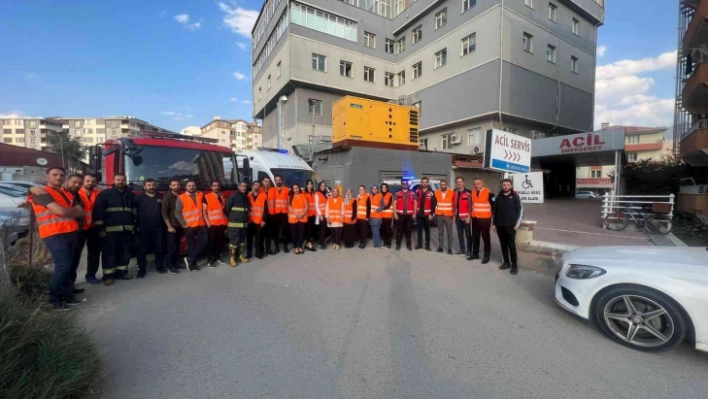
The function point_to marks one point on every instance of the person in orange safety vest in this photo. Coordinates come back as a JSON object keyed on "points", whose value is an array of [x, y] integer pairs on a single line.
{"points": [[256, 221], [444, 211], [216, 224], [482, 204]]}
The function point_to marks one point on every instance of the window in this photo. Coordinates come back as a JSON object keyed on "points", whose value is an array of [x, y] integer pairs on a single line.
{"points": [[474, 137], [528, 3], [574, 64], [511, 130], [260, 94], [369, 40], [33, 123], [318, 62], [632, 140], [100, 140], [315, 106], [101, 131], [20, 140], [398, 7], [552, 12], [88, 131], [33, 132], [280, 72], [268, 83], [19, 122], [441, 58], [417, 34], [88, 140], [369, 74], [596, 173], [345, 69], [576, 27], [467, 4], [388, 79], [417, 70], [323, 21], [7, 141], [7, 131], [389, 46], [33, 141], [423, 144], [20, 131], [632, 156], [419, 106], [77, 123], [400, 45], [441, 19], [447, 141], [401, 78], [469, 44], [551, 53], [528, 42]]}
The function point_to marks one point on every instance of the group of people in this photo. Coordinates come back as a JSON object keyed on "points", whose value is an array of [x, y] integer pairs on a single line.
{"points": [[256, 221]]}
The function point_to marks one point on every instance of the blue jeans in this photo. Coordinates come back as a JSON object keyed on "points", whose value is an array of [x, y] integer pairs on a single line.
{"points": [[376, 231], [62, 247]]}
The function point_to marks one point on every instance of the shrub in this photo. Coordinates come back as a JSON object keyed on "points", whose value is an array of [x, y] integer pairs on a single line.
{"points": [[43, 355], [32, 283]]}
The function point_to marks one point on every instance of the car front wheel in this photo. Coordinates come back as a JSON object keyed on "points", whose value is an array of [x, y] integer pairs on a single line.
{"points": [[640, 318]]}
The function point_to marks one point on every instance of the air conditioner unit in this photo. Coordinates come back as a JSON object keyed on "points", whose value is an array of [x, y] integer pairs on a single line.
{"points": [[535, 134], [455, 139]]}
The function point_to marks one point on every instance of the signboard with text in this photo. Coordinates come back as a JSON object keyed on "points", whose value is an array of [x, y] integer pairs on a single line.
{"points": [[507, 152], [529, 186]]}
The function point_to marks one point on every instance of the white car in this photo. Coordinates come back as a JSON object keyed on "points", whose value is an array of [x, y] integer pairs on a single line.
{"points": [[585, 195], [646, 298]]}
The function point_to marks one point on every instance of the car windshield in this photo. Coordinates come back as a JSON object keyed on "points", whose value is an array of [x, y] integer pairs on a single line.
{"points": [[13, 192], [164, 164], [298, 176]]}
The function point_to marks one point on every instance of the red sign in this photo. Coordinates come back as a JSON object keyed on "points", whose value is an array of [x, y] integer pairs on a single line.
{"points": [[591, 142], [596, 180]]}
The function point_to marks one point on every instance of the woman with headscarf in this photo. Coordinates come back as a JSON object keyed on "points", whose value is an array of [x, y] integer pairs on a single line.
{"points": [[385, 207], [375, 219], [349, 230], [363, 213], [321, 197], [312, 212], [297, 217], [334, 212]]}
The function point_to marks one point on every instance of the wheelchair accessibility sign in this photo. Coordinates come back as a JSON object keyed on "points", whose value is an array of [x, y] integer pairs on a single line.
{"points": [[529, 186]]}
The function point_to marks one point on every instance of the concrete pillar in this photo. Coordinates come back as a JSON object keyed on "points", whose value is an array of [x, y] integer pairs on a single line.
{"points": [[525, 233]]}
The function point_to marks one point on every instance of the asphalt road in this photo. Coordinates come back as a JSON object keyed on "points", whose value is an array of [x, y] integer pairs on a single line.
{"points": [[365, 324]]}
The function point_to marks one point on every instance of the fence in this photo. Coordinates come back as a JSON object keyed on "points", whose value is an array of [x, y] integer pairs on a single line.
{"points": [[611, 202]]}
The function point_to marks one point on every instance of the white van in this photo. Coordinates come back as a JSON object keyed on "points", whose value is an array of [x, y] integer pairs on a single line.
{"points": [[257, 165]]}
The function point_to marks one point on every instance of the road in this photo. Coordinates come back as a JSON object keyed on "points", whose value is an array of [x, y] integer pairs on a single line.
{"points": [[365, 324]]}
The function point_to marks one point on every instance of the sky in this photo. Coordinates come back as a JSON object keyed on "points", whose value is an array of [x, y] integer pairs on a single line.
{"points": [[181, 62]]}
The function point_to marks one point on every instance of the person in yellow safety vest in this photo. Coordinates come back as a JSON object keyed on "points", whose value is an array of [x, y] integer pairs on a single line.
{"points": [[482, 204], [216, 224], [113, 215], [237, 207], [444, 211], [189, 211], [56, 212]]}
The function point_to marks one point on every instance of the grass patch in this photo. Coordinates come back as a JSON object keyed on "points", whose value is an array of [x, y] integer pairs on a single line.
{"points": [[43, 355], [32, 283]]}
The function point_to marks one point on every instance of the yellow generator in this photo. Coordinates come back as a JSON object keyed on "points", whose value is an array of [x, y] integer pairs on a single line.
{"points": [[368, 123]]}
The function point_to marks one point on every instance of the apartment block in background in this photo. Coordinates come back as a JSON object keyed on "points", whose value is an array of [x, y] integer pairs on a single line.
{"points": [[29, 132], [191, 131], [527, 66], [237, 134]]}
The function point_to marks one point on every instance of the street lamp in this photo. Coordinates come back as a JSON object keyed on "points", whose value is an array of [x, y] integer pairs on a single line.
{"points": [[312, 136], [281, 100]]}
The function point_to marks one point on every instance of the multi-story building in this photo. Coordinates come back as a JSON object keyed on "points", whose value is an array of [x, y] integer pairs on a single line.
{"points": [[29, 132], [237, 134], [641, 143], [219, 129], [254, 134], [191, 131], [525, 65]]}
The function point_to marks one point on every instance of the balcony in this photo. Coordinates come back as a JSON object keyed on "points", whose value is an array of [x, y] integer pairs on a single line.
{"points": [[695, 91], [644, 146], [694, 146], [697, 31]]}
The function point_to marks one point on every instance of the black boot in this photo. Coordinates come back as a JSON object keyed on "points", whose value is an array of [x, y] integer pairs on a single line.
{"points": [[504, 266], [514, 269], [285, 248]]}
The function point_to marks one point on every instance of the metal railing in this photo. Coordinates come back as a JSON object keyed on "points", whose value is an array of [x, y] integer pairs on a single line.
{"points": [[612, 202]]}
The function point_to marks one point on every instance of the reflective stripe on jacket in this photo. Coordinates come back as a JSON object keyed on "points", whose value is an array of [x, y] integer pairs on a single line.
{"points": [[215, 210], [361, 211], [279, 198], [445, 201], [89, 201], [299, 206], [335, 216], [257, 207], [50, 223], [191, 212], [311, 205], [481, 208], [114, 211], [375, 204], [388, 213]]}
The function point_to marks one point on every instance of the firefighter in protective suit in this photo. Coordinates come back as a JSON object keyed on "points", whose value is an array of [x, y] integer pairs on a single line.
{"points": [[237, 207]]}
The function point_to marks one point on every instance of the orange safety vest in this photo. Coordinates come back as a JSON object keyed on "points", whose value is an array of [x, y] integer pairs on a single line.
{"points": [[445, 201], [271, 201], [311, 208], [215, 210], [279, 200], [89, 201], [299, 206], [50, 223], [255, 215], [335, 210], [322, 201], [388, 213], [361, 206], [481, 208], [349, 212], [375, 204], [191, 212]]}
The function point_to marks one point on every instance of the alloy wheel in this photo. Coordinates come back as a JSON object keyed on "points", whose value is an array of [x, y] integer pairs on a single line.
{"points": [[639, 321]]}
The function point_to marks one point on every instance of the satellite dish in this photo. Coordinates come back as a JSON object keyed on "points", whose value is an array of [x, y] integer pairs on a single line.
{"points": [[41, 161]]}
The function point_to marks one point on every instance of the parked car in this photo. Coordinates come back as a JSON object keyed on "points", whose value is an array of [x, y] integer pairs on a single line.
{"points": [[16, 220], [585, 195], [11, 199], [646, 298], [20, 184]]}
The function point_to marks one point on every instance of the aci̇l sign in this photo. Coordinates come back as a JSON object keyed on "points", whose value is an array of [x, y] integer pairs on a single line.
{"points": [[590, 142], [507, 152]]}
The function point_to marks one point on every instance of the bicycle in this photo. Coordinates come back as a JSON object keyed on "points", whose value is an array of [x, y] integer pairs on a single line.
{"points": [[655, 223]]}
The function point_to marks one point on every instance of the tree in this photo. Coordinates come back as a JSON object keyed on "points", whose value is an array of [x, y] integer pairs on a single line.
{"points": [[73, 150], [648, 177]]}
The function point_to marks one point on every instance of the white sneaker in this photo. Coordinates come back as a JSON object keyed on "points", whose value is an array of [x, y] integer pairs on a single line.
{"points": [[221, 262], [186, 263], [211, 265]]}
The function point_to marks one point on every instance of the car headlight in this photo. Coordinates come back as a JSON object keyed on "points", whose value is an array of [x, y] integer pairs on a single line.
{"points": [[583, 272]]}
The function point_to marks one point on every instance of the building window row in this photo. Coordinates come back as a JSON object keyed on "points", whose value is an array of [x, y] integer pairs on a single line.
{"points": [[272, 42], [551, 52], [268, 11], [324, 22]]}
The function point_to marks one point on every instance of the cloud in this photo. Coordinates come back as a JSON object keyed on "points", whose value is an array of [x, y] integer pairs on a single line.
{"points": [[177, 116], [245, 102], [601, 51], [31, 75], [233, 99], [623, 96], [239, 76], [182, 18], [168, 113], [194, 26], [242, 46], [238, 19]]}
